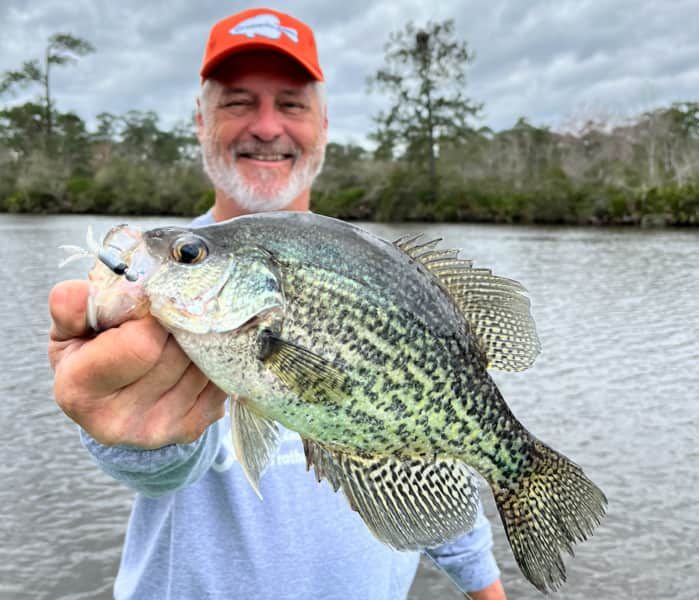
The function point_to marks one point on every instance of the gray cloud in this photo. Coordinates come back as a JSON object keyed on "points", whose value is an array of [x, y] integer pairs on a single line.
{"points": [[542, 59]]}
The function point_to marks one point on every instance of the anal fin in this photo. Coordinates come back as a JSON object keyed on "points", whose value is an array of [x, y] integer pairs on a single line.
{"points": [[407, 503]]}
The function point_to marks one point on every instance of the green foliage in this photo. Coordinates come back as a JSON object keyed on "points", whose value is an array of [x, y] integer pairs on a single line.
{"points": [[127, 166], [125, 186], [28, 73], [645, 171], [424, 79], [339, 190], [81, 193], [404, 195], [72, 142], [205, 202], [526, 174], [142, 139], [8, 177], [41, 181], [61, 49], [22, 128], [522, 175], [344, 203]]}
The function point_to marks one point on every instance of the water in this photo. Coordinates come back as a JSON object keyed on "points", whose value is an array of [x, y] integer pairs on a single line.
{"points": [[615, 389]]}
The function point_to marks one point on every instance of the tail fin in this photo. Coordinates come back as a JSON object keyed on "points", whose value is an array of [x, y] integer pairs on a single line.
{"points": [[552, 506]]}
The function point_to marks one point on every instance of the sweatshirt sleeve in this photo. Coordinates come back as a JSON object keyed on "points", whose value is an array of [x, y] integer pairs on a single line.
{"points": [[469, 560], [160, 471]]}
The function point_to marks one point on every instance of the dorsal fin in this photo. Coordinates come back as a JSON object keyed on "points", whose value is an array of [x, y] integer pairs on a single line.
{"points": [[495, 307]]}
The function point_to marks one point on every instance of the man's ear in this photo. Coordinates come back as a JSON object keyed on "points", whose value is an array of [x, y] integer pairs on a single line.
{"points": [[325, 127]]}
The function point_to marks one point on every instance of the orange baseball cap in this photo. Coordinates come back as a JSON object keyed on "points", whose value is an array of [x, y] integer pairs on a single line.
{"points": [[261, 29]]}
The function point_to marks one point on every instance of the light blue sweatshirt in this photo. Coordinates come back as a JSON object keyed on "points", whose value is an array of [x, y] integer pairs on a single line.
{"points": [[198, 531]]}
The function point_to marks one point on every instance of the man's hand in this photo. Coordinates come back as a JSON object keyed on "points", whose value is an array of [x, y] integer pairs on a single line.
{"points": [[494, 591], [129, 385]]}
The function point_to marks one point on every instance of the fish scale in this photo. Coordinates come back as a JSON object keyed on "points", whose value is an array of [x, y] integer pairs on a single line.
{"points": [[374, 353], [377, 354], [470, 438]]}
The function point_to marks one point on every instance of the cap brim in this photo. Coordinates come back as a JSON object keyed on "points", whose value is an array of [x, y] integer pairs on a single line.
{"points": [[215, 61]]}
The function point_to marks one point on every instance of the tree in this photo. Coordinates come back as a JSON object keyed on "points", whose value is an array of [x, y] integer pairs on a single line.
{"points": [[142, 139], [72, 142], [22, 128], [62, 49], [425, 78]]}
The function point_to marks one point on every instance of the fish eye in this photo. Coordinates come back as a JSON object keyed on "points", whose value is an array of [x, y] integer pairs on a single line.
{"points": [[189, 250]]}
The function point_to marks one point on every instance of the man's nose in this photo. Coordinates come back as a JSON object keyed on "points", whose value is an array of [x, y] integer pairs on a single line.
{"points": [[267, 123]]}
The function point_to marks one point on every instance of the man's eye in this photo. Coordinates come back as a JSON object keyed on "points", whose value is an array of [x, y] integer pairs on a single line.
{"points": [[236, 103]]}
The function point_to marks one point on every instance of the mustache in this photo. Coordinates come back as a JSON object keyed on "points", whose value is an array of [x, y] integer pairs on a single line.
{"points": [[258, 147]]}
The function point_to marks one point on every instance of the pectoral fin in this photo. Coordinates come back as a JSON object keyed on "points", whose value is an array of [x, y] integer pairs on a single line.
{"points": [[409, 504], [255, 441], [312, 377]]}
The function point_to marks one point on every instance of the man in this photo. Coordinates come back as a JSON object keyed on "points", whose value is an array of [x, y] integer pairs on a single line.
{"points": [[151, 419]]}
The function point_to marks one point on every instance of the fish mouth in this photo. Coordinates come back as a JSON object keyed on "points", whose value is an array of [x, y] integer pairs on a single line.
{"points": [[117, 280]]}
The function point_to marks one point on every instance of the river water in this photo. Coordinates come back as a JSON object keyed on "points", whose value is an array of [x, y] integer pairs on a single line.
{"points": [[615, 388]]}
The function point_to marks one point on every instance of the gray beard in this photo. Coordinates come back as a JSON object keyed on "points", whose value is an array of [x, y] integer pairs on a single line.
{"points": [[262, 195]]}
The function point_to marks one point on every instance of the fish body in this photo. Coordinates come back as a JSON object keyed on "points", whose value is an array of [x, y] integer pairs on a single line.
{"points": [[377, 354]]}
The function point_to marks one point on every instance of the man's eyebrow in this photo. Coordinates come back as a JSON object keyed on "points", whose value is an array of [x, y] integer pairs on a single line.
{"points": [[296, 93], [236, 90]]}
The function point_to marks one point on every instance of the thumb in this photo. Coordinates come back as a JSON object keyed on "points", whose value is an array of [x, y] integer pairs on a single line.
{"points": [[68, 305]]}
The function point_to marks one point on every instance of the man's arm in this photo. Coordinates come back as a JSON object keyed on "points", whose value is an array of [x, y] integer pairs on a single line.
{"points": [[144, 407], [469, 561]]}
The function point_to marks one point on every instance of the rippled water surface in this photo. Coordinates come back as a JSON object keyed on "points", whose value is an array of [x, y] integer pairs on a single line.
{"points": [[615, 389]]}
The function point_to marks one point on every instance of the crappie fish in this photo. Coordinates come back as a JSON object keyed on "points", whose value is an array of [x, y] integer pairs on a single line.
{"points": [[376, 353]]}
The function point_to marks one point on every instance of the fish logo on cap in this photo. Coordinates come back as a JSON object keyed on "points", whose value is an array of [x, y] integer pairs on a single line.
{"points": [[265, 25]]}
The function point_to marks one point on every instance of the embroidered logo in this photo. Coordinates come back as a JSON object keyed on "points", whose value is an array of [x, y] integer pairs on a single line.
{"points": [[266, 26]]}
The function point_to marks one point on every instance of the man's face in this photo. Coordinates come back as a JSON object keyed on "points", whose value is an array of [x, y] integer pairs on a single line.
{"points": [[262, 130]]}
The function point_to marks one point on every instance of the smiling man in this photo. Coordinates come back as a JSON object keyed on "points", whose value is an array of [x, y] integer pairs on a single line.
{"points": [[262, 119], [151, 419], [262, 128]]}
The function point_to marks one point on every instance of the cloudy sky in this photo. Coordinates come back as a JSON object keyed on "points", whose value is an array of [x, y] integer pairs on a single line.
{"points": [[555, 62]]}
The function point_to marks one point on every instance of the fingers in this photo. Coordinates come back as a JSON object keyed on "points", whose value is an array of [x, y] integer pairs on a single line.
{"points": [[188, 408], [67, 305], [92, 376], [185, 412], [179, 416], [121, 356], [131, 384], [208, 408]]}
